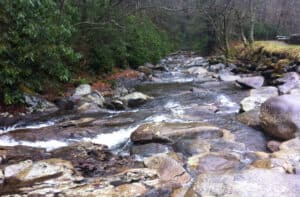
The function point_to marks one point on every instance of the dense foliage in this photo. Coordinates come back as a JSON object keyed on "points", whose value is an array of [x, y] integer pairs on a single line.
{"points": [[136, 42], [34, 46], [39, 39]]}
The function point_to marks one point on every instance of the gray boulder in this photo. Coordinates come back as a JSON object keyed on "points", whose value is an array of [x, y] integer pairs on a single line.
{"points": [[135, 99], [38, 104], [280, 116], [82, 90], [251, 82]]}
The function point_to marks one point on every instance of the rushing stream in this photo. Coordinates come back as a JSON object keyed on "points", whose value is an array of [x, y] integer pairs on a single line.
{"points": [[175, 101], [184, 101]]}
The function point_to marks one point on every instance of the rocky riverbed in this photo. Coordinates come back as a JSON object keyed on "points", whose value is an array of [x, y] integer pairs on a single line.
{"points": [[189, 126]]}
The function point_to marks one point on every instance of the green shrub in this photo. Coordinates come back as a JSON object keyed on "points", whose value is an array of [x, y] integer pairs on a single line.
{"points": [[139, 41], [34, 45]]}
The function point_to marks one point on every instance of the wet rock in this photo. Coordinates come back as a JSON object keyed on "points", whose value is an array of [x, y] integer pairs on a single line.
{"points": [[167, 132], [288, 77], [81, 122], [251, 82], [1, 178], [82, 90], [288, 82], [216, 162], [10, 155], [226, 146], [276, 164], [191, 147], [216, 67], [258, 97], [287, 87], [65, 104], [120, 90], [114, 104], [252, 103], [136, 99], [197, 71], [150, 149], [118, 104], [228, 77], [85, 107], [115, 122], [94, 160], [133, 182], [258, 182], [60, 133], [95, 98], [27, 172], [250, 118], [169, 170], [195, 61], [280, 116], [37, 104], [267, 92], [289, 151], [273, 145]]}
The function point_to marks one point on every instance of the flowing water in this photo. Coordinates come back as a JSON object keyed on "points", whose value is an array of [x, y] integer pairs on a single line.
{"points": [[179, 97]]}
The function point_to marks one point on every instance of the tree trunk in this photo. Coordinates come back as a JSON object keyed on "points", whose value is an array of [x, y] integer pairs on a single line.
{"points": [[226, 36], [252, 22]]}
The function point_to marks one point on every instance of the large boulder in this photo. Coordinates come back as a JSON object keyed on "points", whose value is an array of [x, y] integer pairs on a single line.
{"points": [[251, 82], [280, 116], [135, 99]]}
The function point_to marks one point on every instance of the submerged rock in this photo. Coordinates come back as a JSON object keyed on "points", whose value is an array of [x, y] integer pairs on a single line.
{"points": [[280, 116], [251, 82]]}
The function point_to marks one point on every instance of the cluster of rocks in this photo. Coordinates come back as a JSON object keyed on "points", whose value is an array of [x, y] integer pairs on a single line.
{"points": [[166, 158]]}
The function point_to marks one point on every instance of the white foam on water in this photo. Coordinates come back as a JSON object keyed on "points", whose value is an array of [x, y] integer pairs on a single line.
{"points": [[158, 118], [225, 101], [175, 107], [112, 139], [48, 145], [33, 126]]}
